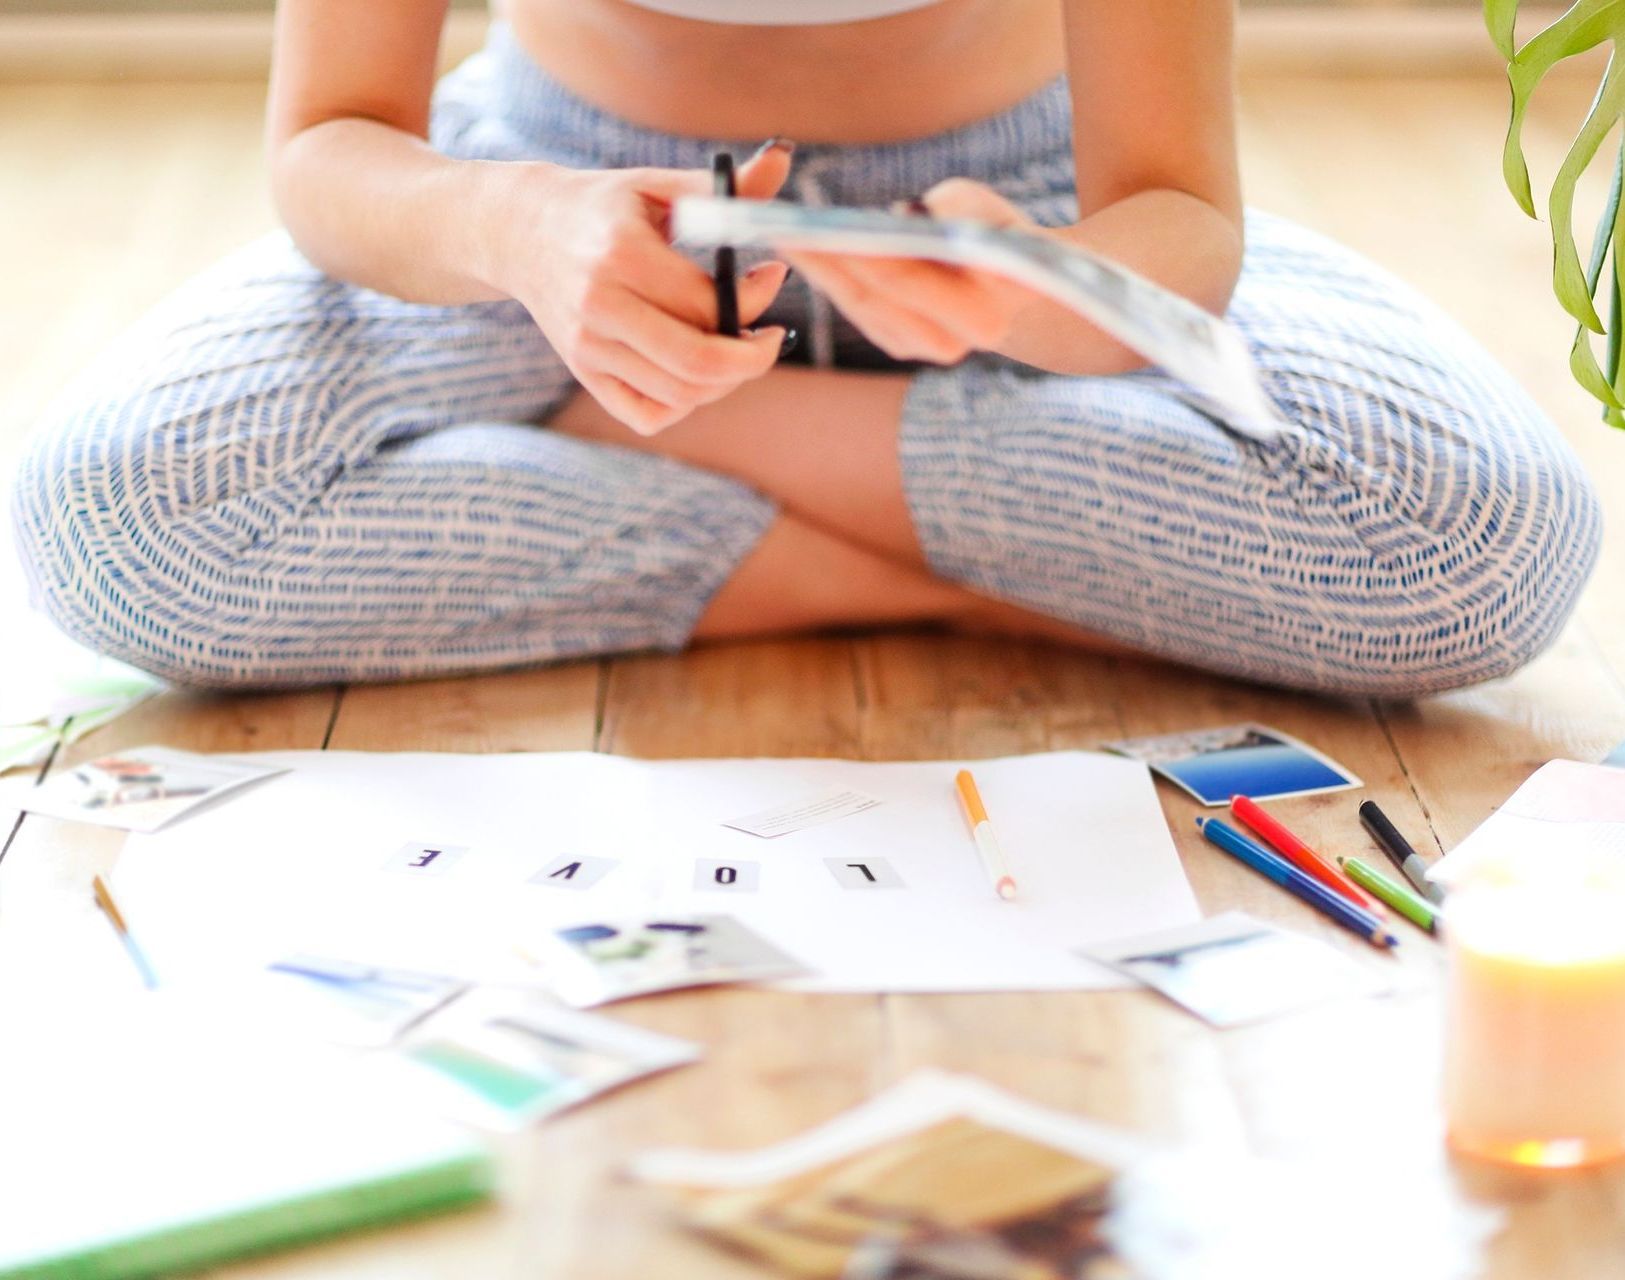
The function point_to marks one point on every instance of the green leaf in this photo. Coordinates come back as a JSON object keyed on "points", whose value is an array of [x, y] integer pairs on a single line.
{"points": [[1568, 278], [1610, 232], [1582, 359], [1607, 224], [1583, 365], [1501, 17], [1585, 25]]}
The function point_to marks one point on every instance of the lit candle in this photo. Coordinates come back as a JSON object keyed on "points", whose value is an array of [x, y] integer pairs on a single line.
{"points": [[1535, 1054]]}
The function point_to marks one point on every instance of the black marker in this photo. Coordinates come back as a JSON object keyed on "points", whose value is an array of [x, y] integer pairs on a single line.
{"points": [[722, 183], [1399, 850]]}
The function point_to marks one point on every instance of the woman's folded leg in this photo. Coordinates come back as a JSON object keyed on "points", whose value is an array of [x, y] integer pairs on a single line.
{"points": [[280, 479], [1422, 527]]}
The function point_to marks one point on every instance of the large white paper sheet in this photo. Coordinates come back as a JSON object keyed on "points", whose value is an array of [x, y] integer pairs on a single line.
{"points": [[310, 861], [1564, 806]]}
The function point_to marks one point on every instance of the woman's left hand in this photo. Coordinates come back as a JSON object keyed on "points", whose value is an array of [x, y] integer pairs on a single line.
{"points": [[918, 310]]}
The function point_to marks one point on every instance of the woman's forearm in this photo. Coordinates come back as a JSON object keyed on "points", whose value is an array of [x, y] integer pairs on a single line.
{"points": [[1171, 237], [379, 207]]}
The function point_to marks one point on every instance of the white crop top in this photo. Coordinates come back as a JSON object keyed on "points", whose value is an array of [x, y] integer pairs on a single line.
{"points": [[782, 13]]}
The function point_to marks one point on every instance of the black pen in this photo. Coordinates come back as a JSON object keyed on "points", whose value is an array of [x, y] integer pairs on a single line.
{"points": [[722, 183], [1399, 850]]}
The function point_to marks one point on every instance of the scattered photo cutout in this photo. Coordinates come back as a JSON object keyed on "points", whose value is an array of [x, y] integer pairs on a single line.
{"points": [[593, 964], [505, 1059], [727, 875], [141, 789], [573, 871], [1238, 760], [431, 859], [809, 811], [356, 1004], [1233, 969], [944, 1177], [949, 1198]]}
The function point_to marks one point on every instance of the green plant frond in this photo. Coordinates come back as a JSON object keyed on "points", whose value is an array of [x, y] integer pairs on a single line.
{"points": [[1583, 365], [1585, 25], [1568, 278], [1607, 224], [1607, 240], [1602, 382], [1514, 168], [1614, 414], [1501, 17]]}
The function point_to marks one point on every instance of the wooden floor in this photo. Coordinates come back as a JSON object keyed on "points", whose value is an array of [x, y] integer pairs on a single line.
{"points": [[109, 195]]}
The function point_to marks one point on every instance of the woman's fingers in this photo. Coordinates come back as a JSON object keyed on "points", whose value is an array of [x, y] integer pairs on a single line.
{"points": [[763, 175], [688, 353], [967, 198], [758, 287], [971, 306], [641, 374], [975, 309], [645, 416], [760, 177], [901, 331], [682, 289]]}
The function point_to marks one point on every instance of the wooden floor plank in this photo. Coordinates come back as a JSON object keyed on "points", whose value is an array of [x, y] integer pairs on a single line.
{"points": [[550, 709], [772, 698]]}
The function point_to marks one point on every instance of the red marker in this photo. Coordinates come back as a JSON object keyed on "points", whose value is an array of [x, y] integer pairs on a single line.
{"points": [[1299, 854]]}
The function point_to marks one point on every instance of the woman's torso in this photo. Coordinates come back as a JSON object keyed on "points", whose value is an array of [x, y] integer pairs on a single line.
{"points": [[910, 74]]}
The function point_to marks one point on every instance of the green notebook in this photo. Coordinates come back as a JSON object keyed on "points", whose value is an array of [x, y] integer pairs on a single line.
{"points": [[139, 1143]]}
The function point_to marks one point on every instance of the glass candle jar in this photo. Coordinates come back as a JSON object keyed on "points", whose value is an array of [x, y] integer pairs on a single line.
{"points": [[1535, 1038]]}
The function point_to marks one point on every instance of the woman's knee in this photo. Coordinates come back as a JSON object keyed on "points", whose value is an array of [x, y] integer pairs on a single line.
{"points": [[1511, 574], [98, 545], [1482, 527], [1396, 544]]}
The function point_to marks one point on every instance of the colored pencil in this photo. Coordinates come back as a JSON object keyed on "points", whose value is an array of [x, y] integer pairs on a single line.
{"points": [[1340, 909], [987, 844], [1419, 911], [1399, 850], [1276, 834], [115, 917]]}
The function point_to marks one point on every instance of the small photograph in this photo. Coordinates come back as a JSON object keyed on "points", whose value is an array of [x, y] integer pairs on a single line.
{"points": [[1238, 760], [593, 964], [1232, 969], [923, 1204], [142, 789], [356, 1004], [505, 1059]]}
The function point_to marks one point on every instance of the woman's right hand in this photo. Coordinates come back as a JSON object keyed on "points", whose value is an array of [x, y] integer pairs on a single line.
{"points": [[586, 252]]}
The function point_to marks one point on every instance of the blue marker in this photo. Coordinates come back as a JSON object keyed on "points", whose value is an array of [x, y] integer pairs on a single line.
{"points": [[1353, 918]]}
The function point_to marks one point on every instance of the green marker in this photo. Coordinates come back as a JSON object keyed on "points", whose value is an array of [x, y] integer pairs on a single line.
{"points": [[1417, 910]]}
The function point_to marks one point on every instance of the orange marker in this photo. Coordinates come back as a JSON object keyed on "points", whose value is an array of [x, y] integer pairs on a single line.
{"points": [[1299, 854], [987, 844]]}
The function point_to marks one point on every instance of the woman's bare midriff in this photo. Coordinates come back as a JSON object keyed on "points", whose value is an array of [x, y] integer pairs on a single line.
{"points": [[886, 79]]}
